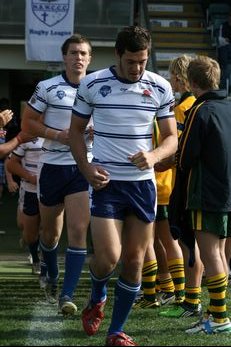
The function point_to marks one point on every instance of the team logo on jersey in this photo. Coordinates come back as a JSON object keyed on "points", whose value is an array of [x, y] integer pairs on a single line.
{"points": [[35, 140], [60, 94], [146, 96], [146, 92], [105, 90], [50, 12]]}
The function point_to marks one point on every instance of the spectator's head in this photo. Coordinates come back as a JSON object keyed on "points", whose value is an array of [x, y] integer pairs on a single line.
{"points": [[204, 74], [178, 73]]}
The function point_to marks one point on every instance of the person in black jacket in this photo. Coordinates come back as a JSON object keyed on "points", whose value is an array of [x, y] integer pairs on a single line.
{"points": [[204, 162]]}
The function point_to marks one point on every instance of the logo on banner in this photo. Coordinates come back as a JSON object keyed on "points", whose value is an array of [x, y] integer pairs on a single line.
{"points": [[50, 12]]}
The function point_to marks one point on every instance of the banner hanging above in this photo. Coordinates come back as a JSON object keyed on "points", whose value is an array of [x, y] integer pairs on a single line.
{"points": [[48, 24]]}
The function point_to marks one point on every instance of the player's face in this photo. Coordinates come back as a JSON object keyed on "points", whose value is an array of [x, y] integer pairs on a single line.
{"points": [[131, 65], [77, 58]]}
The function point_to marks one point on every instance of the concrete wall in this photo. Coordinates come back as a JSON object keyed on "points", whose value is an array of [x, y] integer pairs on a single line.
{"points": [[12, 57]]}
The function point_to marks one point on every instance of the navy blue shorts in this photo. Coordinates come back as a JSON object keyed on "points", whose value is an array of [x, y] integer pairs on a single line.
{"points": [[121, 198], [30, 203], [2, 173], [58, 181]]}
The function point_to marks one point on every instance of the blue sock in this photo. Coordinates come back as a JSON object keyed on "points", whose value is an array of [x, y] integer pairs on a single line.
{"points": [[43, 269], [33, 248], [125, 294], [75, 258], [99, 288], [50, 258]]}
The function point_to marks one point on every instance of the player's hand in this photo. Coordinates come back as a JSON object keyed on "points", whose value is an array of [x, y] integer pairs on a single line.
{"points": [[5, 117], [23, 137], [143, 160], [96, 176], [13, 187]]}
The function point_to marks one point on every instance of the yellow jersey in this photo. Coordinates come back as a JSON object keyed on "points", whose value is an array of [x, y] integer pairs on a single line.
{"points": [[165, 180]]}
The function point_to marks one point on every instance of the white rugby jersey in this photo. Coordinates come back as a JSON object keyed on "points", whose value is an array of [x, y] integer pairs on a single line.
{"points": [[123, 114], [30, 153], [54, 99]]}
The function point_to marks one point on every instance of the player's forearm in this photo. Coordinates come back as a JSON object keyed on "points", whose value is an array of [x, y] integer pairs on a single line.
{"points": [[16, 168], [7, 147], [79, 152], [166, 149], [78, 143]]}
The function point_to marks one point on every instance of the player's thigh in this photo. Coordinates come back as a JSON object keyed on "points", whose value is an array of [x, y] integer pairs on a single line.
{"points": [[77, 212], [106, 238], [52, 223], [31, 227], [136, 236]]}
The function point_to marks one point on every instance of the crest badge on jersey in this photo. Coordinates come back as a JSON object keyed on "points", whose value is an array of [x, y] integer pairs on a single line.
{"points": [[105, 90], [61, 94], [50, 12]]}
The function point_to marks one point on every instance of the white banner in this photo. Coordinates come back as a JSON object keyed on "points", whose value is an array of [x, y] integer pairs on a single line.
{"points": [[48, 24]]}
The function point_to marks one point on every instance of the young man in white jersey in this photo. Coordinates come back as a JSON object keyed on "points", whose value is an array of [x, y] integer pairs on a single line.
{"points": [[124, 101], [23, 162], [61, 185]]}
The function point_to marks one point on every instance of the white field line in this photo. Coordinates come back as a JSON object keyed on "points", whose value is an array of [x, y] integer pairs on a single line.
{"points": [[45, 325]]}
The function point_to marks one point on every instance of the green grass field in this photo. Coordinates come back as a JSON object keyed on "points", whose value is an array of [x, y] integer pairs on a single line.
{"points": [[26, 319]]}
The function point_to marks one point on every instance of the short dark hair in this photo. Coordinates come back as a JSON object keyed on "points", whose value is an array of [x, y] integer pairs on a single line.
{"points": [[205, 72], [133, 39], [75, 38]]}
